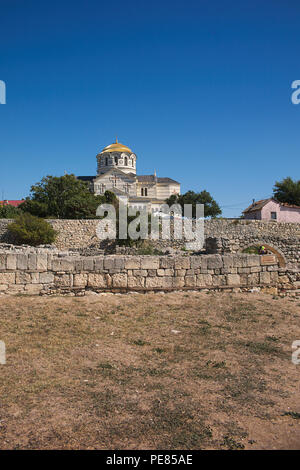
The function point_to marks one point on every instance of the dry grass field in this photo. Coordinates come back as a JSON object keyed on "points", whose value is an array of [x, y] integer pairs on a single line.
{"points": [[155, 371]]}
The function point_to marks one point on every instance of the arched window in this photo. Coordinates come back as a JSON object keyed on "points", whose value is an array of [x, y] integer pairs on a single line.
{"points": [[146, 192], [126, 161], [142, 192], [116, 160], [106, 161]]}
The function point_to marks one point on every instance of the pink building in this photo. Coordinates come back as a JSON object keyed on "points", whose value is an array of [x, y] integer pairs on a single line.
{"points": [[270, 209]]}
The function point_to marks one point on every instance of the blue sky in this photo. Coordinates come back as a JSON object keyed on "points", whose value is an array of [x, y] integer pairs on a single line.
{"points": [[200, 90]]}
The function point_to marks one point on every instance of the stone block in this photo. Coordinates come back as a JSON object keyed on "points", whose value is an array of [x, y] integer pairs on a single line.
{"points": [[7, 278], [22, 261], [78, 265], [138, 272], [32, 261], [281, 279], [88, 264], [160, 272], [253, 279], [244, 270], [80, 280], [3, 261], [166, 262], [11, 262], [214, 261], [63, 280], [23, 278], [228, 261], [119, 263], [35, 278], [183, 262], [46, 278], [178, 282], [169, 272], [255, 269], [99, 263], [133, 262], [190, 272], [204, 280], [253, 260], [240, 261], [180, 272], [15, 289], [219, 280], [274, 276], [33, 289], [150, 262], [265, 277], [154, 282], [233, 279], [119, 280], [41, 262], [97, 280], [135, 281], [151, 272], [190, 281], [196, 262], [109, 263]]}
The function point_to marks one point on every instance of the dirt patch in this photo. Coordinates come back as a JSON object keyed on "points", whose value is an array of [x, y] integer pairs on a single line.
{"points": [[158, 371]]}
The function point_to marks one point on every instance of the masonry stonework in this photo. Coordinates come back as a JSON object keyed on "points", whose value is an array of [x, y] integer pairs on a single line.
{"points": [[48, 271]]}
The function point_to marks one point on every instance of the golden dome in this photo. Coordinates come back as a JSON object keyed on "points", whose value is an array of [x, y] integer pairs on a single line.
{"points": [[116, 147]]}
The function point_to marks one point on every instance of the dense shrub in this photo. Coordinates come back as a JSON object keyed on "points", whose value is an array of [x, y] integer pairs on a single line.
{"points": [[31, 230], [8, 212]]}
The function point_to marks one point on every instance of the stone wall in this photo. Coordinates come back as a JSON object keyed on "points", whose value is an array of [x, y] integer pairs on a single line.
{"points": [[38, 271], [76, 234]]}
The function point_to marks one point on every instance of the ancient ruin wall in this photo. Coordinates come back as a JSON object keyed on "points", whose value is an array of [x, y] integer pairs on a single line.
{"points": [[237, 235], [46, 272]]}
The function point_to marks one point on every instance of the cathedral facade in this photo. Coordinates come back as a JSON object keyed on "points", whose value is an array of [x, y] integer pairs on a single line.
{"points": [[116, 172]]}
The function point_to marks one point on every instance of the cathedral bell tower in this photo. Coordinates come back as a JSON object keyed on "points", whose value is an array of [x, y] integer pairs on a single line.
{"points": [[117, 156]]}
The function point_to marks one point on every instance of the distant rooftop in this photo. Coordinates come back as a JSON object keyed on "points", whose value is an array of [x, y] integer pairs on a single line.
{"points": [[14, 202]]}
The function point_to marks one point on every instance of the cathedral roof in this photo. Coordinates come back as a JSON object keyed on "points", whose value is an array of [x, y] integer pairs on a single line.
{"points": [[116, 147], [86, 178], [153, 179]]}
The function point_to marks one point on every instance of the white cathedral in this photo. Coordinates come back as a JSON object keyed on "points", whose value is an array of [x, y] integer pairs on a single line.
{"points": [[116, 172]]}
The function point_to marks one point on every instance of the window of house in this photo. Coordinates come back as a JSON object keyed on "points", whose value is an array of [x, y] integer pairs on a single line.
{"points": [[126, 161], [142, 192], [146, 192], [116, 160], [274, 215], [106, 161]]}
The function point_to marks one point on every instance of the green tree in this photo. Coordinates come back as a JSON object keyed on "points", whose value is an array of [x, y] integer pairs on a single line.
{"points": [[31, 230], [287, 190], [211, 207], [63, 197], [8, 211]]}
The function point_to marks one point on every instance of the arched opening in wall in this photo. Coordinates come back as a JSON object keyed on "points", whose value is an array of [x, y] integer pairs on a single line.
{"points": [[254, 249], [126, 161]]}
